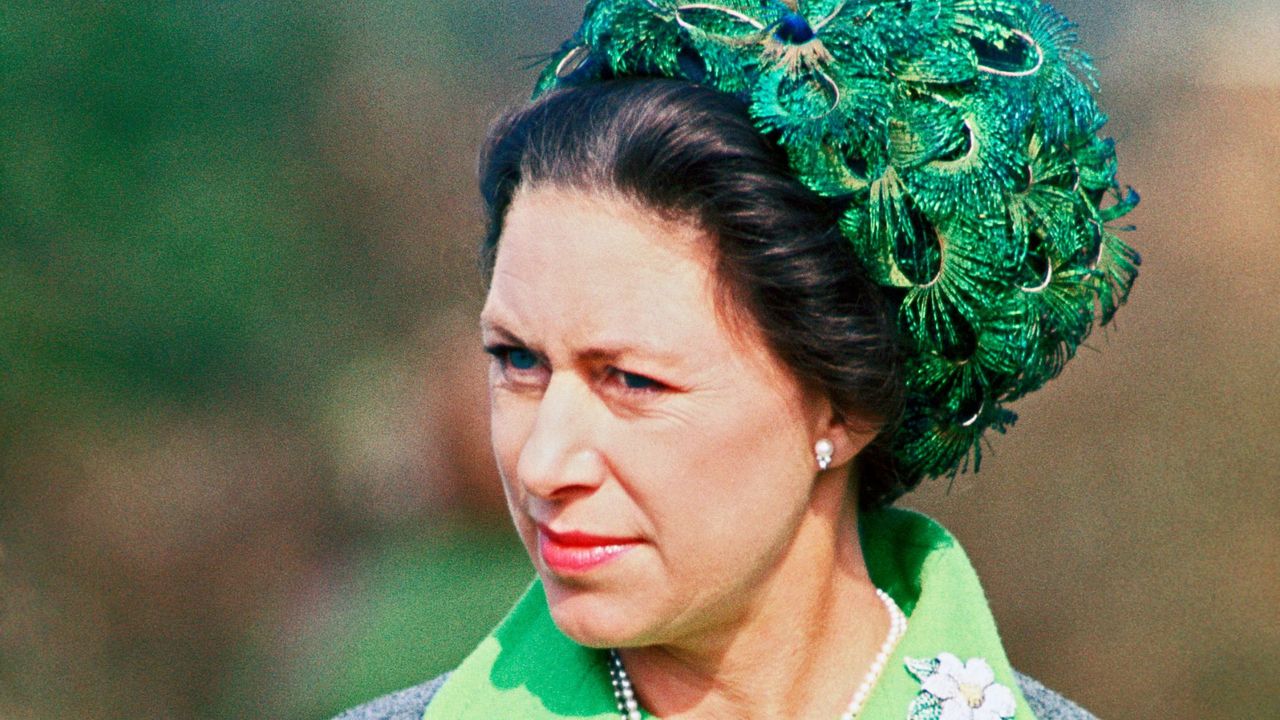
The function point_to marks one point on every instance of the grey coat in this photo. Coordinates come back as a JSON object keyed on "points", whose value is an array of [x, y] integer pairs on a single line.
{"points": [[409, 704]]}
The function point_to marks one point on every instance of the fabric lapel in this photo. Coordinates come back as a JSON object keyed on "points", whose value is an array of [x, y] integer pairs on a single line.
{"points": [[527, 669], [920, 564]]}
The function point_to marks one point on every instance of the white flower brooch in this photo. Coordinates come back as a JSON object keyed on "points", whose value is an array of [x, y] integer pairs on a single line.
{"points": [[954, 690]]}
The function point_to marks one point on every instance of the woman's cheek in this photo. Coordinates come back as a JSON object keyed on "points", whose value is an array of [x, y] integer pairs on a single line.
{"points": [[509, 425]]}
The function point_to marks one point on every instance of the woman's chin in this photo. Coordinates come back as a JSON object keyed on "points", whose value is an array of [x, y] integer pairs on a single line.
{"points": [[594, 619]]}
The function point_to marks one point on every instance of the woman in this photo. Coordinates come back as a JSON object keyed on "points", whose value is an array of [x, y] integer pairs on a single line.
{"points": [[755, 270]]}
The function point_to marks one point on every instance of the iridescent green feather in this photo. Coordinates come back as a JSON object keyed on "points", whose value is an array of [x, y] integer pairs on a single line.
{"points": [[1096, 161], [971, 152], [840, 169], [1118, 264], [730, 67], [860, 45], [939, 61], [807, 114], [1049, 203], [1059, 310], [947, 313], [651, 45], [1064, 104], [983, 17]]}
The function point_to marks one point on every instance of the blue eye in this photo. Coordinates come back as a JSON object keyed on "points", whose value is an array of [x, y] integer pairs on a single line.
{"points": [[521, 359], [638, 382], [510, 357]]}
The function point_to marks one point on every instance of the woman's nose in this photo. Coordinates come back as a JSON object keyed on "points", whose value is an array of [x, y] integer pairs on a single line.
{"points": [[559, 458]]}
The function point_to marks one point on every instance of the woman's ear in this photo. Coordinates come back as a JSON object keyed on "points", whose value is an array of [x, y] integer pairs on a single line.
{"points": [[847, 435]]}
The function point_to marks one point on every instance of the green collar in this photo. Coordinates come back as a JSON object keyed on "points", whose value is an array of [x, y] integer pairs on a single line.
{"points": [[528, 669]]}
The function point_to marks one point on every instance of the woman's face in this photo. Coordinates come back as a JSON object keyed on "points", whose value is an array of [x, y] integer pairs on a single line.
{"points": [[657, 459]]}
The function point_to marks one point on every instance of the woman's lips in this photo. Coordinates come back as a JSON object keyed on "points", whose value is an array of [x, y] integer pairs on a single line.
{"points": [[574, 553]]}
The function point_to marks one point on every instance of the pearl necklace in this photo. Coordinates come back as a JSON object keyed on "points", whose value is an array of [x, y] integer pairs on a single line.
{"points": [[629, 707]]}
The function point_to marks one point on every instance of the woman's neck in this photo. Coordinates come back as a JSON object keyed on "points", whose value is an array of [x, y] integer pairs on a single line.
{"points": [[800, 646]]}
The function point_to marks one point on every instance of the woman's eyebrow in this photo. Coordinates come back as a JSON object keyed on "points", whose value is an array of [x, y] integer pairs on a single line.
{"points": [[496, 328], [613, 350], [604, 350]]}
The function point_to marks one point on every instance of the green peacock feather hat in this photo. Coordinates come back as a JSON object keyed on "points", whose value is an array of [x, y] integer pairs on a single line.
{"points": [[965, 135]]}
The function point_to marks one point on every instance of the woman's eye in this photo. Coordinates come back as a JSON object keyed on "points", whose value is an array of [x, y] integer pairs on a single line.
{"points": [[521, 359], [511, 358], [638, 382], [632, 381]]}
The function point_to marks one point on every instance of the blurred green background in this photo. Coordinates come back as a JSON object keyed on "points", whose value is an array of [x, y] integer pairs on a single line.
{"points": [[243, 448]]}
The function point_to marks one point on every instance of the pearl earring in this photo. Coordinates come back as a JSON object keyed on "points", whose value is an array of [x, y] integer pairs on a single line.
{"points": [[823, 450]]}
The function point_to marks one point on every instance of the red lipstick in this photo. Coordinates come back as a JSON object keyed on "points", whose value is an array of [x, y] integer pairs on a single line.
{"points": [[574, 553]]}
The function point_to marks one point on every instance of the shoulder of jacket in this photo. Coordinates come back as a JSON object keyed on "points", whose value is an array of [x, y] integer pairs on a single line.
{"points": [[407, 704], [410, 703], [1047, 704]]}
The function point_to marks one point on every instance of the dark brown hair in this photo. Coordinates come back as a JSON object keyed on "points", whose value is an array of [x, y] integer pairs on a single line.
{"points": [[691, 153]]}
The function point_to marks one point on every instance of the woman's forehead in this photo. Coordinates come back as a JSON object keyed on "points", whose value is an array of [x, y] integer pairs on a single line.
{"points": [[582, 268]]}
